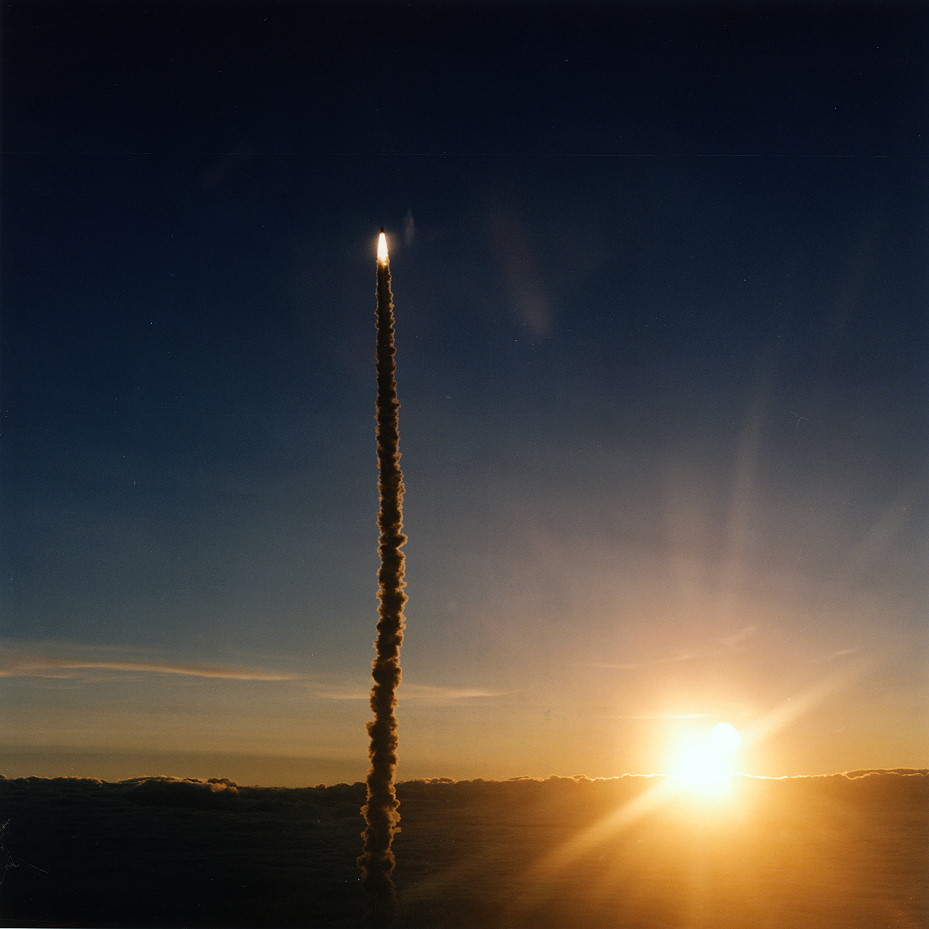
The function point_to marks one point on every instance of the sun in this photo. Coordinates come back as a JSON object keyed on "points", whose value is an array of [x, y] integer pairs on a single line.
{"points": [[702, 762]]}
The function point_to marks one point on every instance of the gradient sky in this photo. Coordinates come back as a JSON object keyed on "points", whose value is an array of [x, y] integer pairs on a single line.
{"points": [[661, 289]]}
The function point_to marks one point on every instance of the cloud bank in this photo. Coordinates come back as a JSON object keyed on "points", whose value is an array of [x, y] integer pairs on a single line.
{"points": [[842, 849]]}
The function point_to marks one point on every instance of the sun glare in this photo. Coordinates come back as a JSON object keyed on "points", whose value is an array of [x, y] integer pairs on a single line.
{"points": [[703, 761]]}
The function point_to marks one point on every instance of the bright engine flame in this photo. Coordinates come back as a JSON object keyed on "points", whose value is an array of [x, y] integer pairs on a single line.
{"points": [[382, 249]]}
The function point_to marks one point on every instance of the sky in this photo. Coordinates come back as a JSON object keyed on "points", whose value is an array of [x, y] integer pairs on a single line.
{"points": [[660, 283]]}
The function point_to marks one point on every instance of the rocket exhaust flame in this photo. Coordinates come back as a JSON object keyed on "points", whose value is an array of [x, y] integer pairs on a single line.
{"points": [[381, 809]]}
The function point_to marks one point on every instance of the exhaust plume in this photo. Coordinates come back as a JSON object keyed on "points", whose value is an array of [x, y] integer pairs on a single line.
{"points": [[381, 809]]}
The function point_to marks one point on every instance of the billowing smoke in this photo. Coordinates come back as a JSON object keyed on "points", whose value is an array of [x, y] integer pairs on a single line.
{"points": [[381, 809]]}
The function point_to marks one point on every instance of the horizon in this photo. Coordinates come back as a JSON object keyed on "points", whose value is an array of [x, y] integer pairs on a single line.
{"points": [[337, 772], [441, 779]]}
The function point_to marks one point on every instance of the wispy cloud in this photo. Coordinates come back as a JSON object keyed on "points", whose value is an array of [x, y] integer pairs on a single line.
{"points": [[738, 639], [649, 663], [69, 662], [425, 693], [82, 663], [408, 693], [71, 668], [838, 654]]}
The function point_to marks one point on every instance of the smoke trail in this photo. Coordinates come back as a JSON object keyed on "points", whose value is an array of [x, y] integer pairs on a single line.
{"points": [[381, 811]]}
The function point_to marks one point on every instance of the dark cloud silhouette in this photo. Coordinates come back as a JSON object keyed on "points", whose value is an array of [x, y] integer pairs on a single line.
{"points": [[181, 792], [171, 851], [813, 851], [381, 809]]}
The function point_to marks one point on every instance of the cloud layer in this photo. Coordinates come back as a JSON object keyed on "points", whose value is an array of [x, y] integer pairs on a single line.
{"points": [[845, 849]]}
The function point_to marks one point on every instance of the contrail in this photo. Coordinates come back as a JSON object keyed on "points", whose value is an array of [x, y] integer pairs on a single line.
{"points": [[381, 810]]}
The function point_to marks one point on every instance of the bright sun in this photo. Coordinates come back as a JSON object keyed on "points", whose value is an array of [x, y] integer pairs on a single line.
{"points": [[703, 761]]}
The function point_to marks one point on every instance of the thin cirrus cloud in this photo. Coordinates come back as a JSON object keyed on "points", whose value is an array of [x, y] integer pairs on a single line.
{"points": [[67, 668], [76, 663], [414, 693], [636, 665], [738, 641]]}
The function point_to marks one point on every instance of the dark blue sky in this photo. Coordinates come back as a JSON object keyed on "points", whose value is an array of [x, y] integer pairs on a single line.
{"points": [[660, 275]]}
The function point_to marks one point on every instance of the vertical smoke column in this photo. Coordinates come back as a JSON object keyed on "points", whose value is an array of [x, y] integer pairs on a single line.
{"points": [[381, 811]]}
